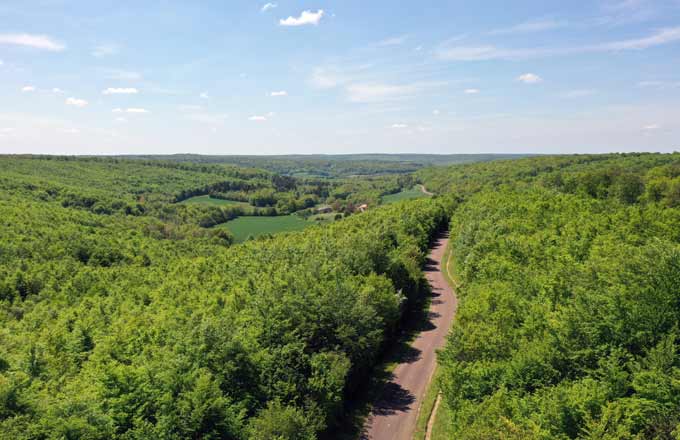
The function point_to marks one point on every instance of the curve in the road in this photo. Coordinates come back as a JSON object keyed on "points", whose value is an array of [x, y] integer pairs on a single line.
{"points": [[395, 414]]}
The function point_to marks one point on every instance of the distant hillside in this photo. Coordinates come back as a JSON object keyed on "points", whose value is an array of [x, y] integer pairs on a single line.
{"points": [[336, 165]]}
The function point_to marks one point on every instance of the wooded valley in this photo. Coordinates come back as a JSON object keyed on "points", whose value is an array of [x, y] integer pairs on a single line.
{"points": [[127, 313]]}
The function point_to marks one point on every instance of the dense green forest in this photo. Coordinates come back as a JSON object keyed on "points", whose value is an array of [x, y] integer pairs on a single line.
{"points": [[124, 314], [570, 298], [337, 165], [120, 317]]}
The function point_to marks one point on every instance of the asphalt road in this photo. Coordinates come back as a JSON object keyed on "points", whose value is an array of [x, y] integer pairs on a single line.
{"points": [[395, 414]]}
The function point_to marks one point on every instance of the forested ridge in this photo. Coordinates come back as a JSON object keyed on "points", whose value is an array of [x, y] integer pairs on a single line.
{"points": [[140, 324], [570, 298]]}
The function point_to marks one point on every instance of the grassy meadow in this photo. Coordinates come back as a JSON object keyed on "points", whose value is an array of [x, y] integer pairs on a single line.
{"points": [[244, 227]]}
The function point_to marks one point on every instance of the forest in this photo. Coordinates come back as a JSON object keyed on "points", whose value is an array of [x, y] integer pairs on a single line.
{"points": [[121, 317], [570, 299], [126, 314]]}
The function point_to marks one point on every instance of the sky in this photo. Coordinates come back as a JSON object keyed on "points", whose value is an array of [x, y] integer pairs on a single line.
{"points": [[350, 76]]}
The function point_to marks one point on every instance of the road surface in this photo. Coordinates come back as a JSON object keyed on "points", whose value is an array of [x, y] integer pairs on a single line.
{"points": [[395, 414], [424, 190]]}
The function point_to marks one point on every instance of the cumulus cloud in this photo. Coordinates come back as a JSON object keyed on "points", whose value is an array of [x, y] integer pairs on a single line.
{"points": [[57, 90], [76, 102], [651, 127], [42, 42], [529, 78], [471, 91], [120, 91], [399, 126], [268, 6], [485, 53], [257, 118], [279, 93], [28, 89], [306, 17], [204, 95]]}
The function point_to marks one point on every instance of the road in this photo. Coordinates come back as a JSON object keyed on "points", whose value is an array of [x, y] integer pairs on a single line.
{"points": [[395, 414], [424, 190]]}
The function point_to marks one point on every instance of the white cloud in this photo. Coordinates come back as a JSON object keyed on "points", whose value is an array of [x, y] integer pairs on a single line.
{"points": [[120, 91], [268, 6], [471, 91], [436, 112], [204, 95], [399, 126], [529, 27], [104, 50], [651, 127], [279, 93], [529, 78], [306, 17], [57, 90], [35, 41], [484, 53], [130, 110], [28, 89], [71, 131], [121, 120], [2, 63], [257, 118], [76, 102]]}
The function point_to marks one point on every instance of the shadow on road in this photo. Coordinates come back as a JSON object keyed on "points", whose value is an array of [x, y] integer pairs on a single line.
{"points": [[394, 399], [381, 396]]}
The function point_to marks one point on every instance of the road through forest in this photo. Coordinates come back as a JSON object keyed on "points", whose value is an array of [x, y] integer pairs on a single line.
{"points": [[395, 414]]}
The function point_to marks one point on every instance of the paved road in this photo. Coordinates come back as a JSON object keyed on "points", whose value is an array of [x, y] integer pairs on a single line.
{"points": [[395, 414]]}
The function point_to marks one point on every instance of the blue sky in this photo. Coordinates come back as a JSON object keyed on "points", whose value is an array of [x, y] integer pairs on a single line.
{"points": [[247, 77]]}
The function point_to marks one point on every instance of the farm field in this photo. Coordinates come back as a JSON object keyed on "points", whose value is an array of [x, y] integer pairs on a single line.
{"points": [[409, 194], [207, 200], [244, 227]]}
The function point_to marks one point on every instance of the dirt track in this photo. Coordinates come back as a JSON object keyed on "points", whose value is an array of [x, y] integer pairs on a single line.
{"points": [[395, 414]]}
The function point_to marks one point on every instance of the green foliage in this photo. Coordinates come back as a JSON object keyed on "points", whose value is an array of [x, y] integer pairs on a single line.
{"points": [[147, 326], [569, 316]]}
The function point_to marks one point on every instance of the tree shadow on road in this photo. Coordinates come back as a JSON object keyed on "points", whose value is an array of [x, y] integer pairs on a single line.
{"points": [[379, 395]]}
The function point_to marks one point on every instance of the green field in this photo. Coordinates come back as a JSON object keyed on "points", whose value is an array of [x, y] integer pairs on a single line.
{"points": [[413, 193], [211, 201], [246, 226]]}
